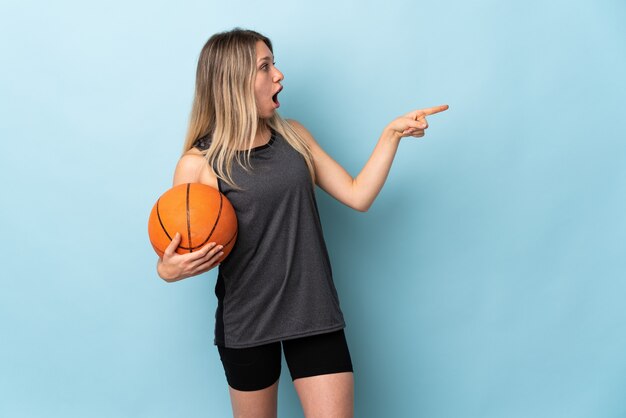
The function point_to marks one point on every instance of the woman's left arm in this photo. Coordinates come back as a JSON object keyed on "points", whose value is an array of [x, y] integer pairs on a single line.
{"points": [[359, 192]]}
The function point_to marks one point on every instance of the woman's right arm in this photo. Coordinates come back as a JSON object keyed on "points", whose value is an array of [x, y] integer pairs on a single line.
{"points": [[191, 168]]}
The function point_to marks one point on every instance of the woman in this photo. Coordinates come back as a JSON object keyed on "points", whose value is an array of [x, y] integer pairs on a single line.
{"points": [[275, 288]]}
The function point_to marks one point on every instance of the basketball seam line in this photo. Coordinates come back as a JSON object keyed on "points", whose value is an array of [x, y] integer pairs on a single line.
{"points": [[231, 239], [219, 214], [160, 221]]}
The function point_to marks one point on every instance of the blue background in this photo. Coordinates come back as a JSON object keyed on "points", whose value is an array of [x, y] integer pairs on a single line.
{"points": [[487, 280]]}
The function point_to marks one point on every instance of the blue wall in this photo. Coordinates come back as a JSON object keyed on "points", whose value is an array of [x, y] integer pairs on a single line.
{"points": [[487, 280]]}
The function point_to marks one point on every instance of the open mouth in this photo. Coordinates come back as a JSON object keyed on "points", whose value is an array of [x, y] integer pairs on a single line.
{"points": [[275, 98]]}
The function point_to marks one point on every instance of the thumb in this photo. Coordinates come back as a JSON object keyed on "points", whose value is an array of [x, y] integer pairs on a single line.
{"points": [[407, 124], [171, 249]]}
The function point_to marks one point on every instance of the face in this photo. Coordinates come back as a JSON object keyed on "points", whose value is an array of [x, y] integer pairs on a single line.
{"points": [[267, 83]]}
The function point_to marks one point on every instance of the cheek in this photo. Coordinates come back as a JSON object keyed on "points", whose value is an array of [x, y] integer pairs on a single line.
{"points": [[258, 90], [262, 84]]}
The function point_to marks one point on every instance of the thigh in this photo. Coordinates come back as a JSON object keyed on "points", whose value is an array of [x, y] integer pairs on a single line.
{"points": [[327, 395], [321, 369], [261, 403], [253, 368], [252, 375], [318, 355]]}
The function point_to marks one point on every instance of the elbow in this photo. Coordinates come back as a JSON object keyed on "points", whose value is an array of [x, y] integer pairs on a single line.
{"points": [[361, 206], [359, 199]]}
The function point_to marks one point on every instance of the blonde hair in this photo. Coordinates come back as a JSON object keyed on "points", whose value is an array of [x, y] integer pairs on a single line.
{"points": [[224, 106]]}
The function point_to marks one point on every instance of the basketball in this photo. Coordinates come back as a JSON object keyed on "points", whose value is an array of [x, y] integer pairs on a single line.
{"points": [[200, 213]]}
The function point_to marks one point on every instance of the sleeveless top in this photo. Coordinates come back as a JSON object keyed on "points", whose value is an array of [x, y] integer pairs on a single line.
{"points": [[277, 282]]}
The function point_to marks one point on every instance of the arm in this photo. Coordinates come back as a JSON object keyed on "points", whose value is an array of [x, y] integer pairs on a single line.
{"points": [[360, 192], [191, 168]]}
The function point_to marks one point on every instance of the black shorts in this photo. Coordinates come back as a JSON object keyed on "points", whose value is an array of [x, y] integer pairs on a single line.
{"points": [[258, 367]]}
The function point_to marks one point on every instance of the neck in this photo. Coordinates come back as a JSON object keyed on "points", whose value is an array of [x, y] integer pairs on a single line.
{"points": [[262, 133]]}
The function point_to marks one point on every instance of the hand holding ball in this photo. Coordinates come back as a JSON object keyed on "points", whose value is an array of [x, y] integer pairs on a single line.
{"points": [[200, 213]]}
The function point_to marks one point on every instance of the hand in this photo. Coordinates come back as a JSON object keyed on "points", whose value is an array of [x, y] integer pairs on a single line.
{"points": [[173, 266], [414, 123]]}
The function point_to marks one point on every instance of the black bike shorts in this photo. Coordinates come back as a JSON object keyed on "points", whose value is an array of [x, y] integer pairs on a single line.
{"points": [[257, 368]]}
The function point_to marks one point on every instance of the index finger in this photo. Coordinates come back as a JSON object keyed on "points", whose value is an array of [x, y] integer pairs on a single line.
{"points": [[431, 110]]}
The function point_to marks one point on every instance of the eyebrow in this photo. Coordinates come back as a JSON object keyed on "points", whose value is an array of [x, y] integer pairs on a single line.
{"points": [[268, 58]]}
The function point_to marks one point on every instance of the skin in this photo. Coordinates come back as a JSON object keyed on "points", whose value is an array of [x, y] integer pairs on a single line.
{"points": [[267, 82], [330, 395]]}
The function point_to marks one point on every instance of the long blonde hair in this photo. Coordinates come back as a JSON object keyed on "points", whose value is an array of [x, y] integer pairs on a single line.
{"points": [[224, 106]]}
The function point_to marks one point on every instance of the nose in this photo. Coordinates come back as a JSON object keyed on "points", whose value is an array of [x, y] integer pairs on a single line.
{"points": [[278, 76]]}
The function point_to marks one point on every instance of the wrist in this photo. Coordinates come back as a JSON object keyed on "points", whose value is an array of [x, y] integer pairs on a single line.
{"points": [[391, 135], [163, 272]]}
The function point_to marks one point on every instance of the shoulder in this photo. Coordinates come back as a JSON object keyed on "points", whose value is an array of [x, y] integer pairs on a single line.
{"points": [[301, 131], [306, 137], [297, 126], [192, 167], [190, 162]]}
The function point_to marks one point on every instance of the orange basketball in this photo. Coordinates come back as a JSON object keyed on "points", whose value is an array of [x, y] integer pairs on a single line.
{"points": [[200, 213]]}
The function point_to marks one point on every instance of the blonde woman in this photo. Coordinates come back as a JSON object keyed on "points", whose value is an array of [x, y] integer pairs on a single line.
{"points": [[275, 290]]}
